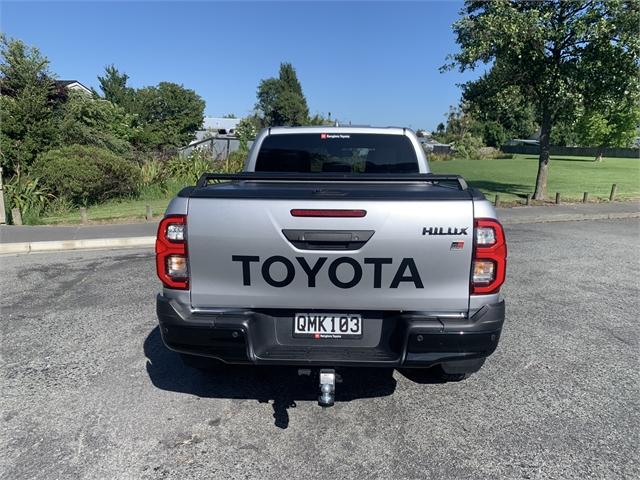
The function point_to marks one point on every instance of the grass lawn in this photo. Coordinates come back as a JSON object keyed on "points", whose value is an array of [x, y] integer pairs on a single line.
{"points": [[514, 178], [121, 211]]}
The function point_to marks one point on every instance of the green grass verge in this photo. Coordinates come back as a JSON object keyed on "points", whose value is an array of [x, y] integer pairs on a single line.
{"points": [[121, 210], [514, 178]]}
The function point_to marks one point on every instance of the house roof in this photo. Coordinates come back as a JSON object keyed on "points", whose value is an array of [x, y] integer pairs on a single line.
{"points": [[431, 141], [72, 84], [218, 123]]}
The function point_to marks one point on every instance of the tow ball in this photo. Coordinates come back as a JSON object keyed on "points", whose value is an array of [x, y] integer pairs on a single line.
{"points": [[328, 379], [327, 395]]}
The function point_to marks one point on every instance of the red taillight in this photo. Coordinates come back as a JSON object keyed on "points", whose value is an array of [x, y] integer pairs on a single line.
{"points": [[301, 212], [171, 252], [489, 259]]}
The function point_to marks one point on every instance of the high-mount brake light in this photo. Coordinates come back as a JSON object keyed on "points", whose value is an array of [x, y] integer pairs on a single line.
{"points": [[489, 257], [327, 213], [172, 262]]}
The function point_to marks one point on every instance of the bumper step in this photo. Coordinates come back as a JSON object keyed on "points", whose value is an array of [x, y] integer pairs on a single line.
{"points": [[328, 354]]}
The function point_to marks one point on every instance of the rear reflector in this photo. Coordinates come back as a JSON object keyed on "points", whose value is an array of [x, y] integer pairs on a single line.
{"points": [[299, 212]]}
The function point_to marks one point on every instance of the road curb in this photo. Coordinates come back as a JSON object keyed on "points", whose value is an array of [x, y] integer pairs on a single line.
{"points": [[570, 217], [85, 244]]}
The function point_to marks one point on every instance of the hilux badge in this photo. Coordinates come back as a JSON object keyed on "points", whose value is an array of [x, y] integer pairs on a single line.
{"points": [[442, 231]]}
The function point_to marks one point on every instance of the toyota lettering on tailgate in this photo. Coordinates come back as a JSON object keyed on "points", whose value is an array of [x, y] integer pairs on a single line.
{"points": [[406, 271]]}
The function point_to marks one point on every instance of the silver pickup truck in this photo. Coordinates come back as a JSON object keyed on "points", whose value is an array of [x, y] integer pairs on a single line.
{"points": [[335, 247]]}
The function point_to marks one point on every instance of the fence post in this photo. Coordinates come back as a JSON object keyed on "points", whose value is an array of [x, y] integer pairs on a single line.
{"points": [[83, 216], [585, 197], [3, 214], [557, 198], [614, 190], [149, 213], [497, 201], [529, 199], [16, 216]]}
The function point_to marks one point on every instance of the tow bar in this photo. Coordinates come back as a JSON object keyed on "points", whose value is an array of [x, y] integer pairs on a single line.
{"points": [[327, 395], [328, 379]]}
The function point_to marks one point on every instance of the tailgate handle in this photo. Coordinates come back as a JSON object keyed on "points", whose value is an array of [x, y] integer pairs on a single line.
{"points": [[328, 239]]}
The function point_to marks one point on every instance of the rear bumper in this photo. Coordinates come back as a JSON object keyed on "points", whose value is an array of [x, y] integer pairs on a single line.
{"points": [[390, 339]]}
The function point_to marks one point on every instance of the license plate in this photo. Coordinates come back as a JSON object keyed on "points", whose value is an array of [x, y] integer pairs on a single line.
{"points": [[327, 325]]}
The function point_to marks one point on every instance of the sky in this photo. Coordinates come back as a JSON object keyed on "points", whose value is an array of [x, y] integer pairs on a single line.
{"points": [[369, 63]]}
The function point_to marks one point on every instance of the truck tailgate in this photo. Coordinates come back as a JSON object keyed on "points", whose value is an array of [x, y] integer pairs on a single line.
{"points": [[418, 256]]}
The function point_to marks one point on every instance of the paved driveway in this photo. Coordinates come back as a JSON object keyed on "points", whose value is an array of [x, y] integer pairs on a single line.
{"points": [[89, 391]]}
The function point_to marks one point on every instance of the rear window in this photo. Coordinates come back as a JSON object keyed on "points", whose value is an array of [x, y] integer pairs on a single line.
{"points": [[337, 152]]}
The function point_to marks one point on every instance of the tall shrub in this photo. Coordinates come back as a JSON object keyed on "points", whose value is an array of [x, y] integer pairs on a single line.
{"points": [[85, 174]]}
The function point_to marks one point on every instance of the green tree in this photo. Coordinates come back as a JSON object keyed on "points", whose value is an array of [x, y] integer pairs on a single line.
{"points": [[114, 87], [459, 123], [319, 119], [615, 125], [246, 131], [28, 99], [500, 112], [551, 50], [162, 117], [461, 132], [493, 133], [564, 130], [281, 101], [440, 133], [169, 116], [92, 121]]}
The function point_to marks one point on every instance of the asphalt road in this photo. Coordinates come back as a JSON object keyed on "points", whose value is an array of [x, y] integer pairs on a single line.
{"points": [[89, 391]]}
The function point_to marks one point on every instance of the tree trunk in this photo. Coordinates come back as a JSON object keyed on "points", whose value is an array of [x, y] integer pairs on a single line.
{"points": [[543, 160]]}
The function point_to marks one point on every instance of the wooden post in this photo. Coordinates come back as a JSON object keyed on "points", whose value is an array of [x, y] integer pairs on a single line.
{"points": [[3, 214], [83, 216], [529, 199], [149, 213], [557, 198], [17, 217], [497, 201], [614, 190], [585, 197]]}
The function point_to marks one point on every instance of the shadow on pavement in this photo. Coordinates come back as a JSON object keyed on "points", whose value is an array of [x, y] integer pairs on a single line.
{"points": [[282, 385]]}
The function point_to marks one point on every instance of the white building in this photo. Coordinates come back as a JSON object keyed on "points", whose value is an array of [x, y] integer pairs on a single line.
{"points": [[73, 85]]}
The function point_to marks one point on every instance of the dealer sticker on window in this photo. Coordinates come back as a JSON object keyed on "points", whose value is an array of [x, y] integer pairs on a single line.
{"points": [[325, 136]]}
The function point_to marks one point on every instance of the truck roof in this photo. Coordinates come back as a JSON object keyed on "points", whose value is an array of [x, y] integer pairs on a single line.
{"points": [[338, 129]]}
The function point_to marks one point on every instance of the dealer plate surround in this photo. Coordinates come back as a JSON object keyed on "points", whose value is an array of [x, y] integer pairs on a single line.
{"points": [[327, 325]]}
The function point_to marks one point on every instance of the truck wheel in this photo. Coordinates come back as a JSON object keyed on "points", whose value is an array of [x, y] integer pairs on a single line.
{"points": [[204, 364]]}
